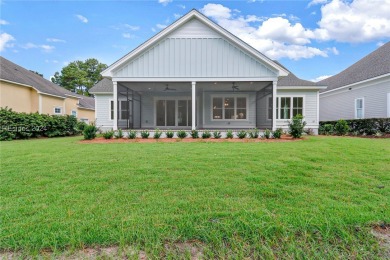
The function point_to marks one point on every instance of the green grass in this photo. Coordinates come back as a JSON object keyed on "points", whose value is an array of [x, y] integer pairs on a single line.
{"points": [[315, 198]]}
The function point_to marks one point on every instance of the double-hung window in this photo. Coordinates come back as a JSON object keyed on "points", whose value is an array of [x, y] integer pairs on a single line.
{"points": [[229, 108], [58, 110], [286, 107], [359, 108]]}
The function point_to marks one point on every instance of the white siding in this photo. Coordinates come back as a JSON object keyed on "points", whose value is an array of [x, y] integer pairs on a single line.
{"points": [[341, 103], [194, 29], [102, 111]]}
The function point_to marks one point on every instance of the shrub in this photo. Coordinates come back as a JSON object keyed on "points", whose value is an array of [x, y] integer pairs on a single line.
{"points": [[206, 134], [170, 134], [6, 135], [254, 133], [229, 134], [217, 134], [181, 134], [194, 134], [80, 126], [132, 134], [277, 133], [90, 132], [242, 134], [145, 134], [296, 126], [341, 127], [326, 129], [267, 133], [368, 126], [157, 134], [108, 134], [119, 134]]}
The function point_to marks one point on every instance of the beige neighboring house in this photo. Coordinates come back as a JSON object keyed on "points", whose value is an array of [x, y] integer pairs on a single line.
{"points": [[25, 91]]}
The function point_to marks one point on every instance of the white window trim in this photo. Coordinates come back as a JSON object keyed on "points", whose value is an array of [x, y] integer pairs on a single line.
{"points": [[109, 110], [176, 99], [235, 96], [356, 99], [54, 110], [71, 112], [388, 104], [291, 106]]}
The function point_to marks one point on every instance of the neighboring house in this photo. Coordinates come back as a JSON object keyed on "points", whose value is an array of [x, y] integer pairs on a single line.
{"points": [[196, 75], [360, 91], [25, 91]]}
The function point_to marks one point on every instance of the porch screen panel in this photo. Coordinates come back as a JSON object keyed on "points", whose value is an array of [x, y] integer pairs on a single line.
{"points": [[217, 108], [189, 111], [183, 112], [229, 108], [241, 108], [170, 112], [124, 110], [160, 113]]}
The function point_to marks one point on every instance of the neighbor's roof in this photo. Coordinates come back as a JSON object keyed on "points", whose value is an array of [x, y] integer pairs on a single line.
{"points": [[12, 72], [103, 86], [375, 64]]}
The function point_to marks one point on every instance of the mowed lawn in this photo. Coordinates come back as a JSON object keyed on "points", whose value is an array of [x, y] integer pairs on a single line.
{"points": [[316, 198]]}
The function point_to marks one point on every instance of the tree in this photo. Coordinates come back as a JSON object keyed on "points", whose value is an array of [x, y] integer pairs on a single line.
{"points": [[80, 76]]}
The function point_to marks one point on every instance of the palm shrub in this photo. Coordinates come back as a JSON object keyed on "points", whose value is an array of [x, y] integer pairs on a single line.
{"points": [[145, 134], [194, 134], [254, 133], [170, 134], [108, 134], [296, 126], [267, 133], [181, 134], [119, 134], [242, 134], [277, 133], [132, 134], [341, 127], [90, 132], [229, 134], [157, 134], [206, 134], [217, 134]]}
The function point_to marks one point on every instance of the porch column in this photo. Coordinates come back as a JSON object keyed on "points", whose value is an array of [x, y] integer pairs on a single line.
{"points": [[193, 125], [115, 90], [275, 83]]}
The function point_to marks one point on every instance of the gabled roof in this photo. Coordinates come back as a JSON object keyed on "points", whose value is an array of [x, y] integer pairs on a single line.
{"points": [[103, 86], [12, 72], [190, 15], [375, 64]]}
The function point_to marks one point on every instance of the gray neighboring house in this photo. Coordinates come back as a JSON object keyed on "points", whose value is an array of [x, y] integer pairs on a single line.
{"points": [[196, 75], [360, 91]]}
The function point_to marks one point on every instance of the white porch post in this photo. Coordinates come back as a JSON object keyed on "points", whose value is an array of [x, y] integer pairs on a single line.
{"points": [[115, 90], [275, 83], [193, 125]]}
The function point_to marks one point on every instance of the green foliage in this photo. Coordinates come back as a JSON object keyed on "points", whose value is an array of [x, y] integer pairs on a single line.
{"points": [[267, 133], [80, 76], [157, 134], [90, 132], [181, 134], [241, 134], [108, 134], [194, 134], [254, 133], [170, 134], [206, 134], [217, 134], [326, 129], [277, 133], [81, 125], [367, 126], [296, 126], [119, 134], [341, 127], [145, 134], [229, 134], [132, 134]]}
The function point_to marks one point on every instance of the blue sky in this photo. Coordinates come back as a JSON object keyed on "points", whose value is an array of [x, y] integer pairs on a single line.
{"points": [[313, 39]]}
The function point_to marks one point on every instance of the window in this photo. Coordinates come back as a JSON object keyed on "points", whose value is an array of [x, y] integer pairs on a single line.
{"points": [[58, 110], [112, 109], [229, 108], [85, 120], [288, 107], [74, 113], [359, 108]]}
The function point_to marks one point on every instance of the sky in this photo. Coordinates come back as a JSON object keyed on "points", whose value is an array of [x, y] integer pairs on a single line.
{"points": [[313, 39]]}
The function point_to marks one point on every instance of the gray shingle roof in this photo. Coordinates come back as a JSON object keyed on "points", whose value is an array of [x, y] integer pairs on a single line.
{"points": [[103, 86], [375, 64], [293, 81], [15, 73]]}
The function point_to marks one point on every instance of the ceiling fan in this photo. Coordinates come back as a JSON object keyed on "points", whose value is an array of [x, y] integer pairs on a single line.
{"points": [[167, 88], [235, 87]]}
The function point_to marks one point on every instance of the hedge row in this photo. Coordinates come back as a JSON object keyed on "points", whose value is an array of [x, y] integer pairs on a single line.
{"points": [[367, 126], [14, 125]]}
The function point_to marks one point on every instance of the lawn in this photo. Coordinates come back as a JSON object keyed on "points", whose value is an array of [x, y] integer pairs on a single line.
{"points": [[316, 198]]}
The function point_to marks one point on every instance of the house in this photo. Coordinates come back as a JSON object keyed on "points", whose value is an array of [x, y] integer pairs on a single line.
{"points": [[360, 91], [25, 91], [196, 75]]}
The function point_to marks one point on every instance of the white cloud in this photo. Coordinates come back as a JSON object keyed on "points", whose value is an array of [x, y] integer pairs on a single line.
{"points": [[5, 40], [153, 29], [43, 47], [132, 27], [161, 26], [164, 2], [55, 40], [128, 36], [177, 16], [316, 2], [82, 18], [321, 78], [51, 61], [379, 44], [181, 6], [3, 22]]}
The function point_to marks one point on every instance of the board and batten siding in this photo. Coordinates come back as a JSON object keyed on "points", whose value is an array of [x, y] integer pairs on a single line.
{"points": [[102, 111], [340, 104], [191, 51]]}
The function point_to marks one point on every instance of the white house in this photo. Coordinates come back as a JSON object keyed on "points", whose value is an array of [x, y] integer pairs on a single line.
{"points": [[360, 91], [196, 75]]}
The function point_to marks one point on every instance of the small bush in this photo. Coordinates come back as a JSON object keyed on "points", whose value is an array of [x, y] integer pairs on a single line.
{"points": [[108, 134], [90, 132], [6, 135], [132, 134], [341, 127], [170, 134], [206, 134], [368, 126], [145, 134], [181, 134], [277, 133], [254, 133], [326, 129], [217, 134], [242, 134], [194, 134], [296, 126], [267, 133], [157, 134], [229, 134], [119, 134], [80, 126]]}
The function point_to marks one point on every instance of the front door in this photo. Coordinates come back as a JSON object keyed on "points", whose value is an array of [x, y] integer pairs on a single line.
{"points": [[173, 113]]}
